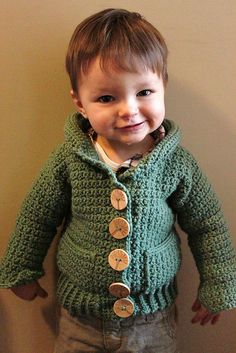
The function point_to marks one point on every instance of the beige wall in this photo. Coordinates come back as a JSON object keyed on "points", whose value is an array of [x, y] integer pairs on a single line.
{"points": [[35, 101]]}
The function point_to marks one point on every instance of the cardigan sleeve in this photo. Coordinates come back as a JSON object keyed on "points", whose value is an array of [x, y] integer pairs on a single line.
{"points": [[199, 214], [42, 212]]}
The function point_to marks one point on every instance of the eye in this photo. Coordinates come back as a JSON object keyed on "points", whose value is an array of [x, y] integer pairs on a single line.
{"points": [[144, 93], [105, 99]]}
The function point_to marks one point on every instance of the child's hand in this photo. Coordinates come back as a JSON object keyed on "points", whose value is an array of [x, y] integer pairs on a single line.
{"points": [[29, 291], [203, 316]]}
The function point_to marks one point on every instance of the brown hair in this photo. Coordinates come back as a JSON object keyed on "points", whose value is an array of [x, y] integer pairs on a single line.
{"points": [[122, 39]]}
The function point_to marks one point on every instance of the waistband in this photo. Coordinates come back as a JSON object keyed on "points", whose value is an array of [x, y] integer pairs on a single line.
{"points": [[80, 303], [99, 323]]}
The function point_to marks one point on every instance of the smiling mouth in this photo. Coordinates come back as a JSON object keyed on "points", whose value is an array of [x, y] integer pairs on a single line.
{"points": [[132, 127]]}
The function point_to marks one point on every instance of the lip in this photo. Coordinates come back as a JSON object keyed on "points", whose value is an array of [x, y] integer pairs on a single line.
{"points": [[132, 127]]}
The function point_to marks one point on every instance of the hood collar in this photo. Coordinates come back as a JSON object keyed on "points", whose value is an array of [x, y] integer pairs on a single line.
{"points": [[76, 138]]}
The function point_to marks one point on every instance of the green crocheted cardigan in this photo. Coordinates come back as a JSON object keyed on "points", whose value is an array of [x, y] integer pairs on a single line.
{"points": [[75, 186]]}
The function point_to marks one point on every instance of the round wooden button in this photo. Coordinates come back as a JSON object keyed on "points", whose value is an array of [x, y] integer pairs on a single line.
{"points": [[118, 259], [119, 290], [119, 199], [123, 307], [119, 228]]}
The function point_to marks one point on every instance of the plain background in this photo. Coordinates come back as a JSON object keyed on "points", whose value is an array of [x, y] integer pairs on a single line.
{"points": [[35, 102]]}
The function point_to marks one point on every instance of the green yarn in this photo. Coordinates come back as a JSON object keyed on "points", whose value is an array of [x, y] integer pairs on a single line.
{"points": [[167, 184]]}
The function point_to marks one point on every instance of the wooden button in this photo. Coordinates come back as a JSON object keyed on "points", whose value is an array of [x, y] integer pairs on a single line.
{"points": [[123, 307], [118, 259], [119, 228], [119, 199], [119, 290]]}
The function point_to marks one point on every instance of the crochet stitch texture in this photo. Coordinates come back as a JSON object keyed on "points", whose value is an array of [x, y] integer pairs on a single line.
{"points": [[165, 186]]}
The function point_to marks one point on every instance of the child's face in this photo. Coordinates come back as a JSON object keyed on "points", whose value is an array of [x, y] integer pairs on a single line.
{"points": [[122, 107]]}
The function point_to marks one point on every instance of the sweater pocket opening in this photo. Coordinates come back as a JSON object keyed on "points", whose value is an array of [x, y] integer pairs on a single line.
{"points": [[77, 264], [162, 263]]}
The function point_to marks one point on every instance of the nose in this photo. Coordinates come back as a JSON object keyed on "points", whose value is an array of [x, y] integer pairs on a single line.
{"points": [[128, 109]]}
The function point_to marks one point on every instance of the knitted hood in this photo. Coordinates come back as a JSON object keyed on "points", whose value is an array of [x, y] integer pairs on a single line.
{"points": [[75, 136]]}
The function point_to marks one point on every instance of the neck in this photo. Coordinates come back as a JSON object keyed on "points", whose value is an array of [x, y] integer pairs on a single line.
{"points": [[119, 153]]}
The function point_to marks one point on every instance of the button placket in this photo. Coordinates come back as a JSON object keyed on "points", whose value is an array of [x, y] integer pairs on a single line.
{"points": [[118, 259]]}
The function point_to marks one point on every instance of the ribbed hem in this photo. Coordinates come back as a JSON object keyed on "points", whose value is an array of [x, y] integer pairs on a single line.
{"points": [[159, 300], [79, 302]]}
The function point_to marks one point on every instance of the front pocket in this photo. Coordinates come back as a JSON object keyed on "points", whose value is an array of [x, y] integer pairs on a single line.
{"points": [[162, 263], [76, 263]]}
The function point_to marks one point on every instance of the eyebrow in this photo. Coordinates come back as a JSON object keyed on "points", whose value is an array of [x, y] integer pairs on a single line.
{"points": [[112, 87], [100, 89]]}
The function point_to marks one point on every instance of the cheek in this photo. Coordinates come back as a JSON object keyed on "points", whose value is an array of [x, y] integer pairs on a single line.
{"points": [[154, 110], [159, 109], [101, 117], [157, 115], [99, 122], [163, 111], [94, 116]]}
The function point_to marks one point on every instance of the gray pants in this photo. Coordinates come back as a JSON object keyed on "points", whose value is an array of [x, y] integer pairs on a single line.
{"points": [[153, 333]]}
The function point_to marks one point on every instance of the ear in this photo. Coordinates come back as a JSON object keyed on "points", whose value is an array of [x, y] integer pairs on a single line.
{"points": [[77, 102]]}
